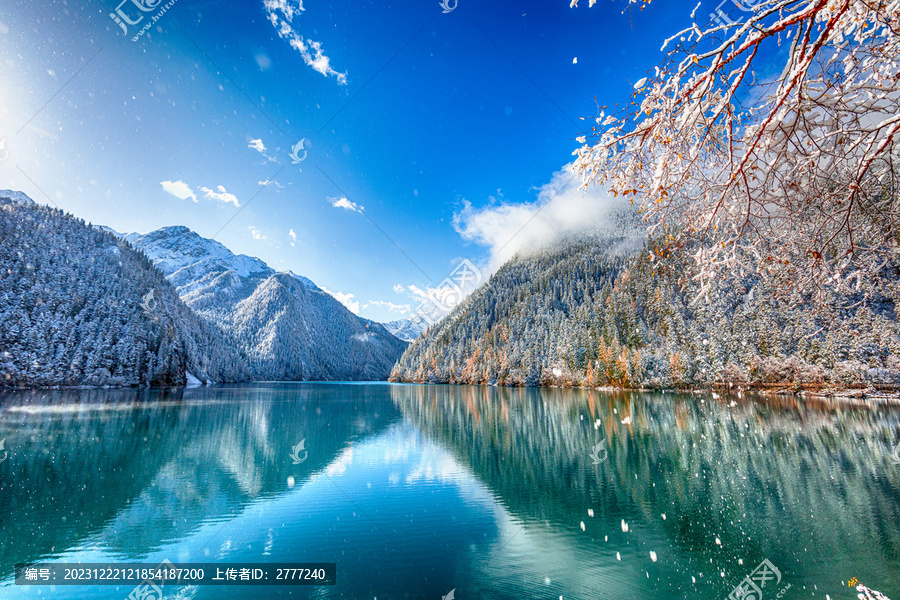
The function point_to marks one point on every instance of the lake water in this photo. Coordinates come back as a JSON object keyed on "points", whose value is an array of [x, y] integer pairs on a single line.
{"points": [[415, 491]]}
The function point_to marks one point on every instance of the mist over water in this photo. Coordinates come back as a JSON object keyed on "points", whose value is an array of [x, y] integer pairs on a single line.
{"points": [[416, 490]]}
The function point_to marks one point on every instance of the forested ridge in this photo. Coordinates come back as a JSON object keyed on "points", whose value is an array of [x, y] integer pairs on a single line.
{"points": [[80, 305], [581, 314], [72, 310]]}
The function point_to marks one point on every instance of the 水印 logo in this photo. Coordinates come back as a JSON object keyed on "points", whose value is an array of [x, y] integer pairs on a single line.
{"points": [[148, 302], [296, 450], [753, 585], [599, 453], [134, 14], [720, 17], [295, 152]]}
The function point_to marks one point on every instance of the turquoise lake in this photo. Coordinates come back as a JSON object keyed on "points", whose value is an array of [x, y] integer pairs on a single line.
{"points": [[417, 490]]}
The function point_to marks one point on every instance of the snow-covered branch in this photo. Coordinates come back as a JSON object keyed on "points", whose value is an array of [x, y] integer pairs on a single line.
{"points": [[792, 177]]}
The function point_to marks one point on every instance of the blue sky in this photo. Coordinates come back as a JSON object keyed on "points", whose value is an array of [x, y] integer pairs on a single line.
{"points": [[419, 124]]}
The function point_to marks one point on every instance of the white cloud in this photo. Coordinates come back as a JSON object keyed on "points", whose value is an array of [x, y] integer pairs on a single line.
{"points": [[260, 147], [398, 308], [293, 236], [346, 204], [345, 299], [268, 182], [562, 208], [179, 189], [281, 14], [257, 145], [183, 191], [221, 195], [256, 233], [287, 7], [417, 292]]}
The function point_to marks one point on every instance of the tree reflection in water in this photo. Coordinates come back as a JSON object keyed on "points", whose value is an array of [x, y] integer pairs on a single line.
{"points": [[419, 489], [728, 481]]}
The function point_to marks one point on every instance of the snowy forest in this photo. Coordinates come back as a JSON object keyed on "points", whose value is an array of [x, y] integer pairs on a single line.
{"points": [[72, 309], [585, 314], [80, 305]]}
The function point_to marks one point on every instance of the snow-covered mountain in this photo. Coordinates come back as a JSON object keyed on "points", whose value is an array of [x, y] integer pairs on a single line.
{"points": [[582, 312], [176, 248], [408, 329], [288, 326], [78, 306], [14, 197]]}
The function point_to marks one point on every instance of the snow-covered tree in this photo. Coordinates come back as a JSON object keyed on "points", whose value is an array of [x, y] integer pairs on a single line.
{"points": [[578, 313], [766, 142], [71, 309]]}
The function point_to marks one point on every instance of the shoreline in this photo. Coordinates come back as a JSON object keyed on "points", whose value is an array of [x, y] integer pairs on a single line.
{"points": [[857, 395], [852, 394]]}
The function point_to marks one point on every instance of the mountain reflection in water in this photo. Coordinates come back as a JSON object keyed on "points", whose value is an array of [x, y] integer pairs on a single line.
{"points": [[414, 490]]}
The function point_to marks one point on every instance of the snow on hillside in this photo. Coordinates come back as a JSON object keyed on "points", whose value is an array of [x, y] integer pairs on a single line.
{"points": [[17, 197], [80, 307], [288, 326], [408, 329], [176, 247], [580, 313]]}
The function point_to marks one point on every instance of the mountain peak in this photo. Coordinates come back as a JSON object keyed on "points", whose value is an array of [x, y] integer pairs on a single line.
{"points": [[16, 197], [177, 230], [286, 325], [410, 328], [176, 247]]}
